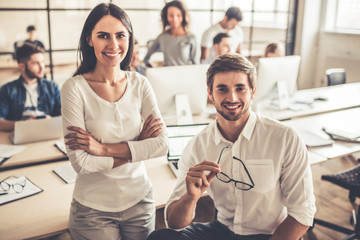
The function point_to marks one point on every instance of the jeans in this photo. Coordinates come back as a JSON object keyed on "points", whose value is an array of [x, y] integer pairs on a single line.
{"points": [[203, 231]]}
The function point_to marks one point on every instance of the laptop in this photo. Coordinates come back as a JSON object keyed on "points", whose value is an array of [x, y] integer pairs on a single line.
{"points": [[37, 130], [179, 136]]}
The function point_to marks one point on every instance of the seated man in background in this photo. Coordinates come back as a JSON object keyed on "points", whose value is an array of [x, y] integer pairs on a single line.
{"points": [[274, 49], [31, 96], [221, 45], [254, 168], [31, 30]]}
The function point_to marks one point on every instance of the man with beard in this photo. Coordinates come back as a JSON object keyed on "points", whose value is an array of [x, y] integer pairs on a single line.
{"points": [[254, 168], [31, 96]]}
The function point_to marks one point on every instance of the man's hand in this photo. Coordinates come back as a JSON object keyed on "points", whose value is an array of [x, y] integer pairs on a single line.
{"points": [[80, 139], [197, 181], [152, 128]]}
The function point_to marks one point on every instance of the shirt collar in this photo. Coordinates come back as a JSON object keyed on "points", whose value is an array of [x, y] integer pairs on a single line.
{"points": [[246, 132]]}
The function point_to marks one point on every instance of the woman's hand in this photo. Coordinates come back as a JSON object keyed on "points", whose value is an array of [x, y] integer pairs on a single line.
{"points": [[80, 139], [152, 128]]}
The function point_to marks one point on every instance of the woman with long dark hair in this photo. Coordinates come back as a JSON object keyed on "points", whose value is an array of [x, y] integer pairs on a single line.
{"points": [[111, 124]]}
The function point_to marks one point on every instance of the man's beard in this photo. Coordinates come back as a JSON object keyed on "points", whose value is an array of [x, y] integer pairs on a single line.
{"points": [[31, 74], [230, 117]]}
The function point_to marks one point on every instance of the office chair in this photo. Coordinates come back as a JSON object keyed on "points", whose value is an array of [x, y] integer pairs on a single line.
{"points": [[336, 76], [350, 180]]}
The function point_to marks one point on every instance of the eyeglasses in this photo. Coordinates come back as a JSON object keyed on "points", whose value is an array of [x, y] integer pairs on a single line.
{"points": [[17, 186], [238, 184]]}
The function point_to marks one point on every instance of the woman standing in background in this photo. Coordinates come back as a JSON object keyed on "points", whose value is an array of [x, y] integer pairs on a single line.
{"points": [[104, 108], [176, 42]]}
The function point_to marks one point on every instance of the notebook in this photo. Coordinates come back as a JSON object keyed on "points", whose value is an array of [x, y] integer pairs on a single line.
{"points": [[179, 136], [37, 130], [313, 140], [66, 172]]}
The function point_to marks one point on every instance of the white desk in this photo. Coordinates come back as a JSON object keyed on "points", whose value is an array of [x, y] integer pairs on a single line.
{"points": [[47, 213], [338, 97], [347, 120]]}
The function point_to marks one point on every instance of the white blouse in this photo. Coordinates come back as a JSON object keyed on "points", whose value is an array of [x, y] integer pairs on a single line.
{"points": [[98, 185]]}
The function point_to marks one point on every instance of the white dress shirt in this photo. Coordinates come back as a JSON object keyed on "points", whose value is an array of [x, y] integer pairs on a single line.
{"points": [[98, 184], [277, 161]]}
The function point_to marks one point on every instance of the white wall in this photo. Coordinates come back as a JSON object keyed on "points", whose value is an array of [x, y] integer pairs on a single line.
{"points": [[321, 50], [338, 50], [308, 24]]}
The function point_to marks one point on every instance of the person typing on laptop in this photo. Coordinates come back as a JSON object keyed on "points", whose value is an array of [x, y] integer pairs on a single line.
{"points": [[254, 168], [31, 96]]}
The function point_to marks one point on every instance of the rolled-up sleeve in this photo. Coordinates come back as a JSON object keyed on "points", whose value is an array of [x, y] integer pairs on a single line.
{"points": [[296, 181]]}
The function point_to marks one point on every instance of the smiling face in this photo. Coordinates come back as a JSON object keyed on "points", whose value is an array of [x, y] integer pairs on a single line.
{"points": [[110, 40], [231, 95], [174, 17]]}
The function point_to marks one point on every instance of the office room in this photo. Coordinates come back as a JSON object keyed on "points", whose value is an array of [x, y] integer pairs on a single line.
{"points": [[312, 88]]}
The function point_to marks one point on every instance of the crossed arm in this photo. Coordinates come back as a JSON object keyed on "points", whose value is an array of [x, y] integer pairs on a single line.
{"points": [[80, 139]]}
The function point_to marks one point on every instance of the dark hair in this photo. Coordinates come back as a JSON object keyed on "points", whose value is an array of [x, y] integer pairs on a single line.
{"points": [[231, 62], [274, 47], [234, 12], [30, 28], [24, 52], [86, 52], [217, 39], [178, 4]]}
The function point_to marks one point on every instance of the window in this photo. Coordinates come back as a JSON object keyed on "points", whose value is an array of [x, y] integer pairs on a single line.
{"points": [[343, 16], [59, 24]]}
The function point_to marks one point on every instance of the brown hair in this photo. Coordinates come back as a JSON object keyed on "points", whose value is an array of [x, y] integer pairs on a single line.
{"points": [[24, 52], [274, 47], [231, 62]]}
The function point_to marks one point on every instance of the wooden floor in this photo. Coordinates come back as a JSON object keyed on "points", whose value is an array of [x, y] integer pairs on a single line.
{"points": [[331, 201]]}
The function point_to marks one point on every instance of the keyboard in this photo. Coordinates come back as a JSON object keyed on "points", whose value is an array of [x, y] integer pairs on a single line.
{"points": [[173, 164]]}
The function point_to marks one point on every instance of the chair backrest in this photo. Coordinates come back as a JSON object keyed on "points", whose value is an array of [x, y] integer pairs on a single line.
{"points": [[336, 76]]}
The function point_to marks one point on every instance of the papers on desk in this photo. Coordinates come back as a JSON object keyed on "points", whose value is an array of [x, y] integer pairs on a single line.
{"points": [[7, 151], [312, 140], [28, 190]]}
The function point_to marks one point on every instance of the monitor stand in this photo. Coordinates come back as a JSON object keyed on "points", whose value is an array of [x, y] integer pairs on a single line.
{"points": [[283, 95], [183, 110]]}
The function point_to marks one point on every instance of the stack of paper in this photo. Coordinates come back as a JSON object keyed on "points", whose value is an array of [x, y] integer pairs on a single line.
{"points": [[313, 140], [7, 151]]}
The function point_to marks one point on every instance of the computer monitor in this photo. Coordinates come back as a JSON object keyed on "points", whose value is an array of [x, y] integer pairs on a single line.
{"points": [[274, 71], [186, 80]]}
